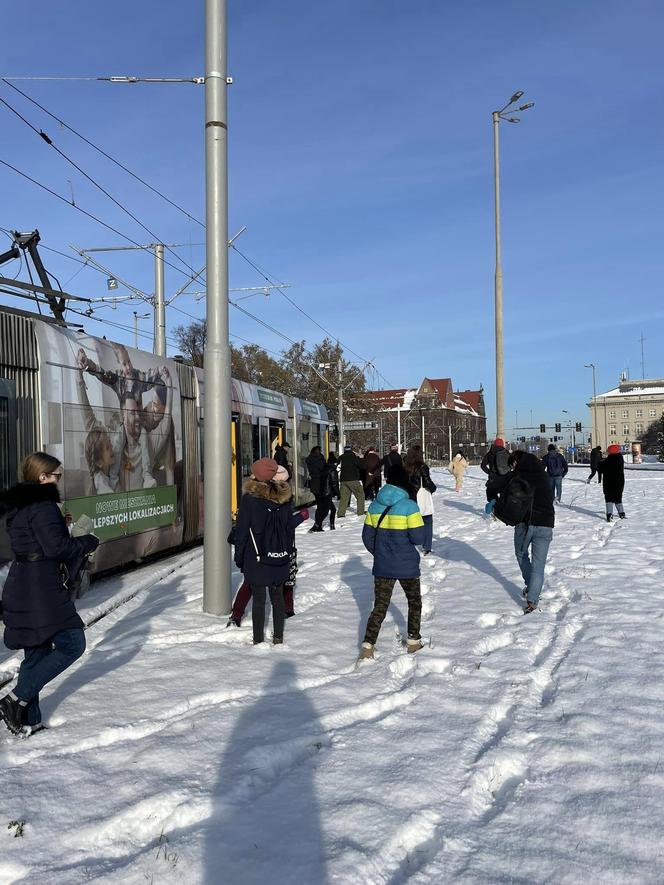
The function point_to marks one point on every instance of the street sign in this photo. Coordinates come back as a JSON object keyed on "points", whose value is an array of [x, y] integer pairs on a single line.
{"points": [[360, 425]]}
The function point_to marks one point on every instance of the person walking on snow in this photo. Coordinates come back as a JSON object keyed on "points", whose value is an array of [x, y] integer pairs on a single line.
{"points": [[595, 459], [264, 540], [321, 487], [612, 471], [393, 457], [533, 535], [350, 484], [421, 489], [281, 453], [372, 482], [495, 464], [39, 615], [392, 532], [458, 466], [556, 468]]}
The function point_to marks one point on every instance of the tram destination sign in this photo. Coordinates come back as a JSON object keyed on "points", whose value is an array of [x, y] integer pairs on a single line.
{"points": [[360, 425]]}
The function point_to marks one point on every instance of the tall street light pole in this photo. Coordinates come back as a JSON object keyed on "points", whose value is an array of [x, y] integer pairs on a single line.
{"points": [[594, 434], [217, 417], [506, 114]]}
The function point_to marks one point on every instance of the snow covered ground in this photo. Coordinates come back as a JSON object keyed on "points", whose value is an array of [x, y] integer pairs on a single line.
{"points": [[517, 749]]}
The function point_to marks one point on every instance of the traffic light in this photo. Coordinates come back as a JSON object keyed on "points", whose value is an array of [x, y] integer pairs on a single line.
{"points": [[578, 427], [542, 428], [557, 428]]}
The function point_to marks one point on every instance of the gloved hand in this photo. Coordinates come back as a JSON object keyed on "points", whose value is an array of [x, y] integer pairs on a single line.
{"points": [[305, 514], [488, 507]]}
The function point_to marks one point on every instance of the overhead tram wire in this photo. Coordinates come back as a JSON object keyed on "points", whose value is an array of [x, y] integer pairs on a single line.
{"points": [[104, 153], [93, 217], [272, 282], [47, 139]]}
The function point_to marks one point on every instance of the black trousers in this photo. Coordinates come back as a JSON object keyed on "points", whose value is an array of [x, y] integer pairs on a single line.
{"points": [[259, 595], [324, 505]]}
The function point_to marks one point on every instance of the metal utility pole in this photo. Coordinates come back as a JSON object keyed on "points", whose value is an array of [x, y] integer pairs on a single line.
{"points": [[595, 433], [217, 423], [424, 449], [340, 422], [159, 303], [398, 427], [497, 116], [643, 363]]}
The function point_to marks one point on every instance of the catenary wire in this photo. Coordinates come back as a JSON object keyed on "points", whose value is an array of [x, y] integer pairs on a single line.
{"points": [[105, 154], [90, 215], [46, 138]]}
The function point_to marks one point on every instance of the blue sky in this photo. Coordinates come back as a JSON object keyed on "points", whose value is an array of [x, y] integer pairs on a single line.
{"points": [[360, 161]]}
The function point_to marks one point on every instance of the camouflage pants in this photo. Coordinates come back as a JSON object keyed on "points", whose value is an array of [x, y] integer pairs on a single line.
{"points": [[383, 594]]}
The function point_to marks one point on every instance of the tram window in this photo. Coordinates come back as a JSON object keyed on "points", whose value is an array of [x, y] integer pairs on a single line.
{"points": [[265, 442], [247, 448]]}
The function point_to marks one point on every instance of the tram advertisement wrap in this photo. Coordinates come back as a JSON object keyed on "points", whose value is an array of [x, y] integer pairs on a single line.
{"points": [[126, 513]]}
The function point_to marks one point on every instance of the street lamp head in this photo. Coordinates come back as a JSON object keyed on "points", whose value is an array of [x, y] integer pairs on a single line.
{"points": [[512, 119], [516, 96], [589, 365], [525, 107]]}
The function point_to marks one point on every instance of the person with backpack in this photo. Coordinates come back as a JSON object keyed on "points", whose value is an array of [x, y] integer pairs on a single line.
{"points": [[264, 540], [495, 464], [526, 502], [612, 471], [393, 530], [39, 614], [321, 486], [595, 459], [556, 468], [421, 489]]}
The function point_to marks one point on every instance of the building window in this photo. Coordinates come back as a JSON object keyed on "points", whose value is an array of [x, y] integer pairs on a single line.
{"points": [[612, 413], [612, 429], [639, 413], [652, 413], [625, 430], [638, 429], [625, 413]]}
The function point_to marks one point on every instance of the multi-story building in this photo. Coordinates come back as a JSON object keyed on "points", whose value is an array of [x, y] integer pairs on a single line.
{"points": [[621, 415], [432, 414]]}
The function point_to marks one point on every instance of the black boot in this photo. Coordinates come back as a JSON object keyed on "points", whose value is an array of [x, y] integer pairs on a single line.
{"points": [[609, 517], [11, 713], [316, 528], [623, 515]]}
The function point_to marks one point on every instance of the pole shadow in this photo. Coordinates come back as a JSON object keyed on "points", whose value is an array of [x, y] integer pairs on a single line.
{"points": [[358, 577], [459, 551], [265, 823]]}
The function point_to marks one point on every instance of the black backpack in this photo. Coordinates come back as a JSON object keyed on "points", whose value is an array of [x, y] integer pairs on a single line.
{"points": [[277, 543], [514, 503]]}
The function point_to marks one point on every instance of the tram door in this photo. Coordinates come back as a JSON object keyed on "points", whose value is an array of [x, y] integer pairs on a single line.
{"points": [[264, 438], [8, 442]]}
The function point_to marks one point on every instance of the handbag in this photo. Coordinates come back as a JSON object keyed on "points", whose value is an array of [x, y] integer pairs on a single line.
{"points": [[425, 501]]}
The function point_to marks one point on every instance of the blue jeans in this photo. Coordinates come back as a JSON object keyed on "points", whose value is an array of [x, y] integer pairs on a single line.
{"points": [[538, 538], [428, 532], [556, 486], [42, 663]]}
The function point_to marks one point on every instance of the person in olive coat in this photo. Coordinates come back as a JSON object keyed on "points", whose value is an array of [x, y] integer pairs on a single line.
{"points": [[39, 615]]}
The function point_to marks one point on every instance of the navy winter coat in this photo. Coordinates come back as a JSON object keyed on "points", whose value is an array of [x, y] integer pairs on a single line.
{"points": [[555, 464], [258, 499], [35, 602]]}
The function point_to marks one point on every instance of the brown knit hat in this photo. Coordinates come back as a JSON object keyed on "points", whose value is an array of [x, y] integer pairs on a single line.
{"points": [[264, 469]]}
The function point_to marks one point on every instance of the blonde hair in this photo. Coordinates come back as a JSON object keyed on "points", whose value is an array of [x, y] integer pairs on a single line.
{"points": [[93, 444], [36, 464]]}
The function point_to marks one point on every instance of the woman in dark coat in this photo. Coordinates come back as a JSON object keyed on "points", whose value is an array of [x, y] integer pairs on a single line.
{"points": [[39, 616], [612, 471], [265, 517], [421, 489], [373, 481]]}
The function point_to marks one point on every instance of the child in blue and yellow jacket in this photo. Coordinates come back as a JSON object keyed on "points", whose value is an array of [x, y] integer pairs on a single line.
{"points": [[392, 532]]}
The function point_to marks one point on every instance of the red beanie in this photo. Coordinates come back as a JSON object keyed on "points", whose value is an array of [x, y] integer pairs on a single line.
{"points": [[613, 450], [499, 442], [264, 469]]}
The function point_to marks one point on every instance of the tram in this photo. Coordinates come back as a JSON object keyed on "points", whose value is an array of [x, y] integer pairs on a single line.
{"points": [[128, 428]]}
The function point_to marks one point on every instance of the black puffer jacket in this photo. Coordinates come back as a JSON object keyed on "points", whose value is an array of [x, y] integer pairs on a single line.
{"points": [[532, 470], [595, 457], [495, 461], [317, 467], [612, 469], [35, 602], [258, 499]]}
